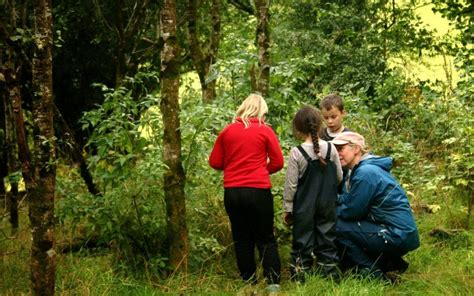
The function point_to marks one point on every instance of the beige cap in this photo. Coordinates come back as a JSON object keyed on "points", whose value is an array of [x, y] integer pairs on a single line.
{"points": [[349, 138]]}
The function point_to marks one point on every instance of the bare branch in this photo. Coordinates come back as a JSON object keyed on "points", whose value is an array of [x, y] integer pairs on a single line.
{"points": [[243, 5]]}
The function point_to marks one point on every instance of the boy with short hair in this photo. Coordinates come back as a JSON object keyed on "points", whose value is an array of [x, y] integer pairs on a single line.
{"points": [[332, 108]]}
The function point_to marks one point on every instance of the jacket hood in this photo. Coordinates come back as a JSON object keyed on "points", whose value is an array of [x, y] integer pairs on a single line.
{"points": [[383, 162]]}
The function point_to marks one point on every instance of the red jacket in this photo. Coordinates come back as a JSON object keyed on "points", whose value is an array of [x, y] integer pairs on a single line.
{"points": [[247, 155]]}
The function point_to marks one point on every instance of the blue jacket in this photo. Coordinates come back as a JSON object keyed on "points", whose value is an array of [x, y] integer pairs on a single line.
{"points": [[373, 194]]}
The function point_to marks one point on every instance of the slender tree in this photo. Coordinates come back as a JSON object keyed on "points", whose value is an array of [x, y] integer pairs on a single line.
{"points": [[3, 145], [174, 177], [204, 54], [261, 76], [12, 60], [41, 185], [13, 91]]}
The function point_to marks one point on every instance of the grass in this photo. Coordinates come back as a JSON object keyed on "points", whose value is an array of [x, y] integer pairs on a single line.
{"points": [[441, 266]]}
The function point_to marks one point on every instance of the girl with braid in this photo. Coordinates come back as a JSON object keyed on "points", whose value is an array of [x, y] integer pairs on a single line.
{"points": [[309, 198]]}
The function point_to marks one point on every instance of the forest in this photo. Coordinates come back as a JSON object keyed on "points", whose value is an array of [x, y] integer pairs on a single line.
{"points": [[110, 110]]}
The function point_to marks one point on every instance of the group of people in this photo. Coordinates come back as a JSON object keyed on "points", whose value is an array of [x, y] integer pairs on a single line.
{"points": [[346, 210]]}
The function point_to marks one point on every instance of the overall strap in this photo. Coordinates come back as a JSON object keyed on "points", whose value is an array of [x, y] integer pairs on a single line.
{"points": [[328, 154], [306, 156]]}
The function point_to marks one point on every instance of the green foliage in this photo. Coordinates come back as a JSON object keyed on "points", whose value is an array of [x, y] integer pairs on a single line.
{"points": [[318, 47], [461, 13], [287, 77], [130, 219], [116, 138], [126, 162], [352, 42], [442, 129]]}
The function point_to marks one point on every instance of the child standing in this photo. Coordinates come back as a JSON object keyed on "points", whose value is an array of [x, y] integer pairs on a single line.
{"points": [[248, 151], [332, 108], [309, 197]]}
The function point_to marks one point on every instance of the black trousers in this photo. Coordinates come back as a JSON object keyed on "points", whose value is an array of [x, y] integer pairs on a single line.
{"points": [[250, 212]]}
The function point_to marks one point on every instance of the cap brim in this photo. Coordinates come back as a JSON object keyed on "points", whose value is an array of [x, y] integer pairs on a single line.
{"points": [[339, 142]]}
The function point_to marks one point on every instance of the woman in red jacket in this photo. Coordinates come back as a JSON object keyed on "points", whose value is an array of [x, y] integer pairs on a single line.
{"points": [[248, 151]]}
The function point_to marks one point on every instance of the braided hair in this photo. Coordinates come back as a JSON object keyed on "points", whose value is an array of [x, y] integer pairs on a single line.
{"points": [[308, 121]]}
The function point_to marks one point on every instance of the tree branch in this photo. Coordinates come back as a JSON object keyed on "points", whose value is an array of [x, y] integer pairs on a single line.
{"points": [[243, 5]]}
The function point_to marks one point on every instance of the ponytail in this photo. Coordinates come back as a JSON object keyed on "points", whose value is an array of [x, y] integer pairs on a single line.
{"points": [[315, 138]]}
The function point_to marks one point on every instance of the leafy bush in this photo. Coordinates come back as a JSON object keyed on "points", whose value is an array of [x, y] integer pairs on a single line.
{"points": [[125, 158]]}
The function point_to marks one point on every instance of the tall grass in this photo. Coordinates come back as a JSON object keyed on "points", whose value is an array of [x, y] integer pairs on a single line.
{"points": [[441, 266]]}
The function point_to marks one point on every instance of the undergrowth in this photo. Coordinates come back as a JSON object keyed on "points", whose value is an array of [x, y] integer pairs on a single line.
{"points": [[443, 265]]}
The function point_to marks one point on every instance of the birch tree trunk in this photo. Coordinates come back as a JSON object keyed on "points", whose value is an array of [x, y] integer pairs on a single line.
{"points": [[174, 178], [41, 189]]}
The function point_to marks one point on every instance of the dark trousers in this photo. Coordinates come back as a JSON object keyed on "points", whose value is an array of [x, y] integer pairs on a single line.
{"points": [[366, 244], [250, 212]]}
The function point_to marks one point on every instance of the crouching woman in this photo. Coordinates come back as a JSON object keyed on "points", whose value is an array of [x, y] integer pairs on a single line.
{"points": [[375, 226]]}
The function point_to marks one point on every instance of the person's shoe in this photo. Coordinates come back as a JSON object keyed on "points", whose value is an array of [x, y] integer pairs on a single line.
{"points": [[395, 264], [400, 265]]}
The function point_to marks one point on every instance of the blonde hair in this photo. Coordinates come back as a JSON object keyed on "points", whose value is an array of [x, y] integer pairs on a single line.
{"points": [[254, 106], [363, 150]]}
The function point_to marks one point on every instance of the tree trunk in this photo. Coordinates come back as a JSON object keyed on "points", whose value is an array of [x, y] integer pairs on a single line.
{"points": [[263, 45], [120, 50], [203, 57], [3, 142], [41, 190], [12, 165], [23, 150], [12, 205], [174, 178], [470, 204]]}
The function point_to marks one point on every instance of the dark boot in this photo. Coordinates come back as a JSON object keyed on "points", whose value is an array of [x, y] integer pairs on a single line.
{"points": [[393, 264]]}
